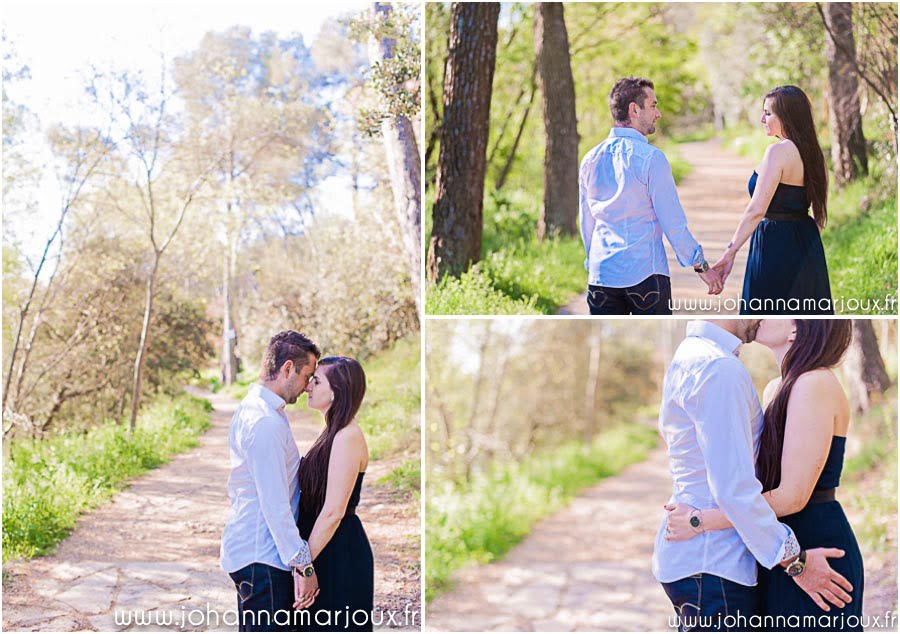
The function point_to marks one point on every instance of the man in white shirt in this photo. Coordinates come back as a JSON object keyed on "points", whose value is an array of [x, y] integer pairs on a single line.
{"points": [[711, 420], [262, 549]]}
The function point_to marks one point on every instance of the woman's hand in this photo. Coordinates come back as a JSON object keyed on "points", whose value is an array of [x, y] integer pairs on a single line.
{"points": [[678, 522], [724, 265], [306, 589]]}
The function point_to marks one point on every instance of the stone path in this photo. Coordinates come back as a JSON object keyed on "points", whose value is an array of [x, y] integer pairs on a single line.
{"points": [[585, 568], [155, 548], [713, 195]]}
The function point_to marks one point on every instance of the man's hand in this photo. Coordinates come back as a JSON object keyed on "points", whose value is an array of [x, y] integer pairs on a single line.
{"points": [[678, 522], [305, 590], [714, 281], [822, 583]]}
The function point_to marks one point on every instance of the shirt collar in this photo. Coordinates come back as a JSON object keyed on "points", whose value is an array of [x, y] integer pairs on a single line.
{"points": [[630, 133], [722, 338], [269, 397]]}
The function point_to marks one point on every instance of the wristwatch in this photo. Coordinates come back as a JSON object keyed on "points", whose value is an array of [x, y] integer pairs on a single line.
{"points": [[703, 267], [305, 571], [696, 521], [796, 567]]}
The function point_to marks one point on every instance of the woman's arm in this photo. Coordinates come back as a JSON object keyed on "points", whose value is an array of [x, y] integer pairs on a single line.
{"points": [[768, 176], [343, 468], [807, 437]]}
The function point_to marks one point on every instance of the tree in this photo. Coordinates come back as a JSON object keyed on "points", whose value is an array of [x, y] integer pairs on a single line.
{"points": [[456, 237], [247, 113], [551, 49], [848, 146], [395, 63], [864, 370]]}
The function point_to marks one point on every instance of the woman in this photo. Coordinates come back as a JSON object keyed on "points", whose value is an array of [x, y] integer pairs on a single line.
{"points": [[786, 271], [331, 476], [801, 455]]}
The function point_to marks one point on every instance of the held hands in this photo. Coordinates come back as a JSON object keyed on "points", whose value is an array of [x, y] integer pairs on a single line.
{"points": [[714, 281], [678, 527], [305, 590], [822, 583], [724, 265]]}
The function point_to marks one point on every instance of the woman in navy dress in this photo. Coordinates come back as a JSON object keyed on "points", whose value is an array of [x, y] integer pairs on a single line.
{"points": [[331, 476], [786, 270], [801, 454]]}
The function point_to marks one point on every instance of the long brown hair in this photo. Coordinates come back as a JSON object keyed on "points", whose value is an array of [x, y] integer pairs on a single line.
{"points": [[795, 111], [820, 343], [348, 382]]}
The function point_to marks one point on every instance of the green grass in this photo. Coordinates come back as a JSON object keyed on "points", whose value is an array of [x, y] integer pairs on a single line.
{"points": [[406, 477], [390, 413], [47, 484], [861, 248], [869, 480], [496, 510]]}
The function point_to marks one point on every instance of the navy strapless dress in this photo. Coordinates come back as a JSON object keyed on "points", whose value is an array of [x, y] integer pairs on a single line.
{"points": [[346, 572], [786, 259], [818, 525]]}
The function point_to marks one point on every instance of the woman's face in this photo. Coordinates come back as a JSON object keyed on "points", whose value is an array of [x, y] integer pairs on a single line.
{"points": [[319, 390], [776, 333], [770, 120]]}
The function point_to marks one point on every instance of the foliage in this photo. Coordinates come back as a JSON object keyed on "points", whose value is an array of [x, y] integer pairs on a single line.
{"points": [[483, 520], [48, 484], [395, 80], [473, 293], [390, 414], [406, 477]]}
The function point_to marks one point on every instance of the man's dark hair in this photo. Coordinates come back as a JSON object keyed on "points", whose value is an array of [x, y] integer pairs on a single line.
{"points": [[287, 345], [625, 91]]}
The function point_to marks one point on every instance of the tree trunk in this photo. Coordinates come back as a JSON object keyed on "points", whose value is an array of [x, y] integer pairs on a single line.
{"points": [[501, 180], [404, 165], [848, 146], [864, 371], [551, 51], [229, 333], [142, 346], [456, 237]]}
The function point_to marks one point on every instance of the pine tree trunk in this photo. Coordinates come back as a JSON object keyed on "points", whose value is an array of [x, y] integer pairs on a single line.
{"points": [[551, 49], [864, 372], [848, 146], [456, 237]]}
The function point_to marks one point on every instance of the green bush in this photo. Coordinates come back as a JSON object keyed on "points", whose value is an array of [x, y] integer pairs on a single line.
{"points": [[390, 412], [47, 484], [407, 476], [481, 521]]}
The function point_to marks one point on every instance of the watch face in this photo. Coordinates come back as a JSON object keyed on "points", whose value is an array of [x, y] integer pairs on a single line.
{"points": [[695, 521], [794, 569]]}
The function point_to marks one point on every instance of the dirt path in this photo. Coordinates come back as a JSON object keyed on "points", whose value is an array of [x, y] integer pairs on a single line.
{"points": [[588, 568], [155, 548], [713, 195], [585, 568]]}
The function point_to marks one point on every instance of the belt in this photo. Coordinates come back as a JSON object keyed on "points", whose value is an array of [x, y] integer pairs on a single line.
{"points": [[820, 496], [784, 216]]}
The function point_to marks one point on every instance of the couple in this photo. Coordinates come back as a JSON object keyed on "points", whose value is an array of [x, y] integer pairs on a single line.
{"points": [[293, 545], [627, 200], [736, 469]]}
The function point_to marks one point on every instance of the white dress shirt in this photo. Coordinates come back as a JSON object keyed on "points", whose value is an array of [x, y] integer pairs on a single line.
{"points": [[627, 200], [263, 487], [711, 420]]}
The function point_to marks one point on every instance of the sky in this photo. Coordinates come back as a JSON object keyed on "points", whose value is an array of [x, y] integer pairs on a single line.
{"points": [[59, 42]]}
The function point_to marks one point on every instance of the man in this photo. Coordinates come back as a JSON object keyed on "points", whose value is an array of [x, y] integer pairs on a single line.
{"points": [[262, 549], [628, 200], [711, 420]]}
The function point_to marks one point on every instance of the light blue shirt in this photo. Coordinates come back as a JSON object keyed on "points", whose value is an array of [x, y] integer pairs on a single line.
{"points": [[627, 200], [711, 421], [263, 487]]}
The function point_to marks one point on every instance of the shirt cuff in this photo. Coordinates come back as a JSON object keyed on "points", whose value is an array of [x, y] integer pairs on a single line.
{"points": [[790, 549], [698, 257], [301, 557]]}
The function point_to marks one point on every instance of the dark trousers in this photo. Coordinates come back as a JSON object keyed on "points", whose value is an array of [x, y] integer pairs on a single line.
{"points": [[707, 603], [650, 297], [265, 598]]}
